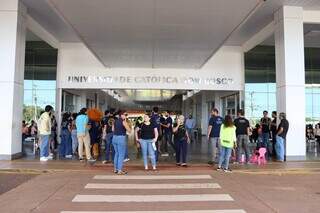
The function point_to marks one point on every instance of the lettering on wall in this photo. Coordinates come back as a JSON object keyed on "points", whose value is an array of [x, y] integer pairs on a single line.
{"points": [[151, 80]]}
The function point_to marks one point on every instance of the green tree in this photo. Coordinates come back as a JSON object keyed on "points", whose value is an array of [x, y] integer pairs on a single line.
{"points": [[29, 112]]}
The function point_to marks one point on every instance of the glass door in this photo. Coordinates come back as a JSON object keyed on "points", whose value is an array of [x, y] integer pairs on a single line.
{"points": [[230, 105]]}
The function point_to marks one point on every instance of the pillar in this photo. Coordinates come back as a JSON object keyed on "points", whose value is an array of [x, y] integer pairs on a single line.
{"points": [[83, 99], [12, 53], [204, 113], [290, 77]]}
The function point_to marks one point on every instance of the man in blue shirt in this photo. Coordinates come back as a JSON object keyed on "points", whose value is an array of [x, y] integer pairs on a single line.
{"points": [[83, 135], [213, 134]]}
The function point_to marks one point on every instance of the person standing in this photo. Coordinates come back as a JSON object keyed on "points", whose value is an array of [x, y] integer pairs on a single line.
{"points": [[108, 122], [228, 141], [146, 134], [95, 137], [45, 132], [182, 140], [273, 128], [120, 129], [65, 148], [74, 137], [82, 121], [190, 125], [242, 133], [214, 132], [167, 132], [155, 120], [317, 132], [265, 125], [281, 136]]}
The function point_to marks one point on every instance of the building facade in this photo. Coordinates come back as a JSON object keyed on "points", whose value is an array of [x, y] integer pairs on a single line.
{"points": [[195, 54]]}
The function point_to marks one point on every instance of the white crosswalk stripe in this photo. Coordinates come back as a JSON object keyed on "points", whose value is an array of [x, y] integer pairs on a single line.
{"points": [[154, 186], [152, 177], [168, 197], [152, 198], [188, 211]]}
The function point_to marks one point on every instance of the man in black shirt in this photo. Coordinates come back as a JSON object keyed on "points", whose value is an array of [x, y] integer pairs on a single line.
{"points": [[242, 133], [273, 128], [107, 122], [265, 125], [281, 136]]}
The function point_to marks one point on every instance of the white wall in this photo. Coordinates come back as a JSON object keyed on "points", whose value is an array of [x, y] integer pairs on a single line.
{"points": [[77, 60], [12, 51]]}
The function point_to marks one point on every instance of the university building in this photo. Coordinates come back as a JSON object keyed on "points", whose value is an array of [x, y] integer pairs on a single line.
{"points": [[187, 56]]}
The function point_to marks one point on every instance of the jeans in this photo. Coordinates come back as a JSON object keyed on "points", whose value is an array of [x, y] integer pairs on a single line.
{"points": [[74, 139], [182, 149], [84, 139], [224, 157], [44, 145], [190, 131], [265, 139], [215, 141], [146, 147], [109, 146], [119, 144], [126, 155], [66, 143], [280, 148], [243, 142], [167, 139]]}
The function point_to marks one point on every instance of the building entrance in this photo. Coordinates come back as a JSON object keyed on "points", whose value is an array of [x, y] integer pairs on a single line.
{"points": [[195, 104]]}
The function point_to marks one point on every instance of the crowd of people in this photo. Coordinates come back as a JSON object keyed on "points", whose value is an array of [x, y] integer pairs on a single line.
{"points": [[154, 132], [228, 135]]}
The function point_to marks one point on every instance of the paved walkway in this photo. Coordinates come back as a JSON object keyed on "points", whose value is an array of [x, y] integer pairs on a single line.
{"points": [[196, 189]]}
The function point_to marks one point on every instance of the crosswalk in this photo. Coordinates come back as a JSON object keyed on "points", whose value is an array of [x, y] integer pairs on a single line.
{"points": [[182, 190]]}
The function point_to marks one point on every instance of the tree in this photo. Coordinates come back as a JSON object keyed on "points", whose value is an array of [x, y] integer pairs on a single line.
{"points": [[29, 112]]}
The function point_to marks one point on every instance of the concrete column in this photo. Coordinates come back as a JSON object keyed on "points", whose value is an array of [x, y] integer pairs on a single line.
{"points": [[12, 54], [204, 113], [290, 77], [83, 99]]}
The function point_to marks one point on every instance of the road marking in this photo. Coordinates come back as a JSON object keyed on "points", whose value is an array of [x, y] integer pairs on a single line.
{"points": [[154, 186], [188, 211], [152, 198], [151, 177]]}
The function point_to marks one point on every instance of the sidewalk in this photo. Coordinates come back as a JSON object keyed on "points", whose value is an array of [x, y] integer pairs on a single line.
{"points": [[74, 165]]}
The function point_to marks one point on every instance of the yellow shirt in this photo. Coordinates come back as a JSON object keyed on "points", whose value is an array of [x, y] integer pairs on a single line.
{"points": [[44, 124], [227, 136]]}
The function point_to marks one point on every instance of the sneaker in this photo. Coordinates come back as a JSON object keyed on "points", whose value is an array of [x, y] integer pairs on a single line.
{"points": [[106, 162], [122, 173], [43, 159], [68, 156], [219, 169], [126, 160], [51, 154], [49, 157], [178, 164], [236, 162], [227, 170], [80, 159], [91, 160], [210, 162], [184, 165], [165, 155]]}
